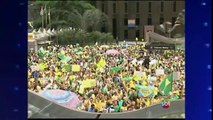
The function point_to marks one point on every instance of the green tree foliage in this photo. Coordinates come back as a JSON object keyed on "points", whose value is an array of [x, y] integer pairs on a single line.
{"points": [[81, 15], [62, 12], [83, 38], [76, 14]]}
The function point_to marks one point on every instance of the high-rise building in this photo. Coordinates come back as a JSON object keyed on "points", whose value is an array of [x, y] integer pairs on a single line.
{"points": [[128, 18]]}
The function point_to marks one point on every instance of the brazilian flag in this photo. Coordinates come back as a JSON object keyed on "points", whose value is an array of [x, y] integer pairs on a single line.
{"points": [[41, 52], [127, 78], [61, 55], [67, 67], [116, 69], [166, 84], [65, 59]]}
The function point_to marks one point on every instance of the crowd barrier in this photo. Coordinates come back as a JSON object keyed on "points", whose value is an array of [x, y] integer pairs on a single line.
{"points": [[48, 109]]}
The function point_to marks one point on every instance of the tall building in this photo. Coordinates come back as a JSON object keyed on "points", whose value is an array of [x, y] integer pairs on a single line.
{"points": [[128, 18]]}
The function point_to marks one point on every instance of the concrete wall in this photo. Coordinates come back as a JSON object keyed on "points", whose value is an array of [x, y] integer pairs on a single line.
{"points": [[49, 109]]}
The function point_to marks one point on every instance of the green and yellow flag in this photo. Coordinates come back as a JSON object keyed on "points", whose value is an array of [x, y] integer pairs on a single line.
{"points": [[67, 67], [89, 83], [166, 84], [116, 69], [127, 78], [65, 59], [145, 91], [42, 52], [42, 66], [61, 55]]}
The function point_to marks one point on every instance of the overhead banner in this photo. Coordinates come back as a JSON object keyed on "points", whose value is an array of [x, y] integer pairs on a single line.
{"points": [[131, 23]]}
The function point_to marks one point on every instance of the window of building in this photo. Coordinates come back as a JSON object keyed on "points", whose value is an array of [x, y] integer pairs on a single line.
{"points": [[102, 7], [137, 34], [114, 27], [137, 7], [162, 6], [150, 7], [114, 8], [137, 21], [174, 6], [161, 19], [125, 21], [125, 7], [125, 34], [173, 20], [103, 29], [149, 19]]}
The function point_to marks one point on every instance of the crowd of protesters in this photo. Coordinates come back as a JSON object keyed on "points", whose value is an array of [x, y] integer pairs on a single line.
{"points": [[111, 93]]}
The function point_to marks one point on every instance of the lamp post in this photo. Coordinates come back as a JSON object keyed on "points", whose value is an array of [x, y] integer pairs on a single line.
{"points": [[42, 16], [46, 16], [49, 21]]}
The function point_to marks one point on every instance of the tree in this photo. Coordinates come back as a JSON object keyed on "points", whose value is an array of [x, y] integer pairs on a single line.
{"points": [[63, 13], [84, 38]]}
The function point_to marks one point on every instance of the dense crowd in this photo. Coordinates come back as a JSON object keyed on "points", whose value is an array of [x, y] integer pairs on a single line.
{"points": [[115, 89]]}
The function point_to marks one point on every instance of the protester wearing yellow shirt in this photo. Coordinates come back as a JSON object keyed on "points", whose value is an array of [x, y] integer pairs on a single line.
{"points": [[155, 91], [147, 102], [98, 104]]}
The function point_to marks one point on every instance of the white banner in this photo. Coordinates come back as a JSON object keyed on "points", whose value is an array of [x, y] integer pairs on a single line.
{"points": [[159, 71], [34, 68], [153, 62], [176, 75], [152, 78], [138, 73]]}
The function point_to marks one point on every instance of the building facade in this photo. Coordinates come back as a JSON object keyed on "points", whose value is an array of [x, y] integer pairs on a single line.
{"points": [[121, 14]]}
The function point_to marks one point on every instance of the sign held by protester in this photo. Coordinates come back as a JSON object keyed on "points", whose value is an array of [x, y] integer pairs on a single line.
{"points": [[89, 83], [145, 91], [34, 68], [176, 75], [138, 73], [159, 71], [152, 78], [75, 68]]}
